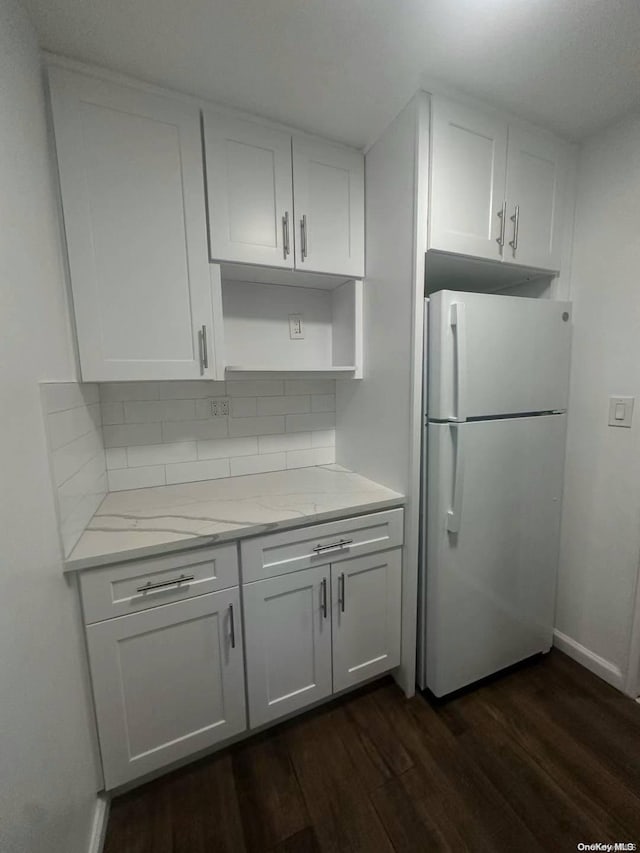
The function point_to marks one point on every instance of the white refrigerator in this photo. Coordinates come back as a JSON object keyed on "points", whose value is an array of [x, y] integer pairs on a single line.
{"points": [[496, 389]]}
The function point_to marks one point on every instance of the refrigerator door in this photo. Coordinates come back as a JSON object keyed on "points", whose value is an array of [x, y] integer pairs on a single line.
{"points": [[492, 545], [496, 355]]}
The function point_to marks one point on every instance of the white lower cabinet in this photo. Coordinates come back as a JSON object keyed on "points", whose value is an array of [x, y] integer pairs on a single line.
{"points": [[288, 631], [365, 610], [313, 632], [167, 682]]}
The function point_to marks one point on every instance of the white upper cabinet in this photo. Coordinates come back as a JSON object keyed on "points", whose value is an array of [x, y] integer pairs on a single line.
{"points": [[328, 190], [497, 189], [536, 176], [279, 201], [468, 154], [130, 166], [250, 196]]}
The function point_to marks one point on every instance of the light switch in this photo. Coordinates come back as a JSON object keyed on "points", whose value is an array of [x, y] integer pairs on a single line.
{"points": [[620, 411]]}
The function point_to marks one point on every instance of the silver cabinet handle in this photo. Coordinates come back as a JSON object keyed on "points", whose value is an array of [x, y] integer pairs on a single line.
{"points": [[285, 234], [303, 237], [341, 593], [232, 627], [204, 355], [149, 587], [516, 224], [341, 543], [324, 597], [503, 225]]}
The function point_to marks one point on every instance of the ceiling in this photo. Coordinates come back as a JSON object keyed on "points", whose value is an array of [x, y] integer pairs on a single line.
{"points": [[344, 68]]}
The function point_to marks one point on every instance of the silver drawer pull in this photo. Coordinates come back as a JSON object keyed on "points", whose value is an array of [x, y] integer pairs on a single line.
{"points": [[341, 543], [232, 627], [149, 587]]}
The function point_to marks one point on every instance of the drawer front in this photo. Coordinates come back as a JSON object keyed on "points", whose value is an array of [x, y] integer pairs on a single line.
{"points": [[280, 553], [139, 585]]}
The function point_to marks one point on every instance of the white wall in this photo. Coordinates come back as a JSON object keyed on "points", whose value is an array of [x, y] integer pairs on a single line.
{"points": [[48, 777], [601, 514]]}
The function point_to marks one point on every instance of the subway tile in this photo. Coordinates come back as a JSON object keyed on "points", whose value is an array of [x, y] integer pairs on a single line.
{"points": [[286, 441], [204, 469], [191, 390], [256, 426], [258, 464], [310, 386], [247, 407], [87, 481], [70, 458], [125, 435], [70, 424], [119, 391], [307, 458], [255, 388], [149, 411], [223, 448], [323, 403], [323, 438], [116, 457], [312, 421], [73, 525], [58, 396], [194, 430], [112, 413], [161, 454], [283, 405], [136, 478]]}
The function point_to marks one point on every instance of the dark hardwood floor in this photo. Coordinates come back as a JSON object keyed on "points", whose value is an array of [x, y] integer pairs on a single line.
{"points": [[541, 758]]}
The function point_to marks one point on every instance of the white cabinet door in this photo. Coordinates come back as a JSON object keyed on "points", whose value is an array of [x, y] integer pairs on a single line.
{"points": [[167, 683], [468, 164], [328, 190], [131, 176], [536, 174], [288, 634], [249, 192], [366, 617]]}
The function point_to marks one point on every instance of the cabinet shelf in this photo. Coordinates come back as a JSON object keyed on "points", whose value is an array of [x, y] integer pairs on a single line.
{"points": [[255, 326]]}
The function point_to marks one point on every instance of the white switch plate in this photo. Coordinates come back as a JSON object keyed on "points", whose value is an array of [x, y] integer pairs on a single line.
{"points": [[620, 411], [296, 327]]}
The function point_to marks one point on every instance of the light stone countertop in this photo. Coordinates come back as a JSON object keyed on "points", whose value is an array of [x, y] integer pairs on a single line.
{"points": [[144, 522]]}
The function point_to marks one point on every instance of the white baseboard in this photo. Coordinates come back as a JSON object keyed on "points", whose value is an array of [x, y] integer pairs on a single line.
{"points": [[606, 670], [100, 820]]}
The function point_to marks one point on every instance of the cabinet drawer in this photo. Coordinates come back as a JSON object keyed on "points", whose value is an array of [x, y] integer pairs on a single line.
{"points": [[279, 553], [130, 587]]}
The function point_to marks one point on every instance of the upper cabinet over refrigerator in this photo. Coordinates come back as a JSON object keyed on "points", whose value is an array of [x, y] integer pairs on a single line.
{"points": [[496, 355], [498, 189], [130, 166]]}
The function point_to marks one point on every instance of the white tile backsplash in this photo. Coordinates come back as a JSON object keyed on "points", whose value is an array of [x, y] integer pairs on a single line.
{"points": [[273, 424], [74, 433]]}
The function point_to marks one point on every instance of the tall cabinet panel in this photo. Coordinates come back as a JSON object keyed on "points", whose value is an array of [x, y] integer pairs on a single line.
{"points": [[536, 175], [130, 166], [468, 152], [328, 183], [250, 201]]}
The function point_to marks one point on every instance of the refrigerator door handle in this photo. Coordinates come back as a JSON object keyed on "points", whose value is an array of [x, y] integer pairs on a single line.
{"points": [[454, 515], [457, 322]]}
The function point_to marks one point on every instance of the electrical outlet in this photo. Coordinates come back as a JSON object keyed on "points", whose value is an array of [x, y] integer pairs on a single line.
{"points": [[219, 407], [296, 327]]}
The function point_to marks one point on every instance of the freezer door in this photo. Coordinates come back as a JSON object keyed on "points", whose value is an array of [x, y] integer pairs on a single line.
{"points": [[496, 355], [492, 545]]}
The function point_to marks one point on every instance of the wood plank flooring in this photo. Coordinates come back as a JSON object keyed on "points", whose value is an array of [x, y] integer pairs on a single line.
{"points": [[539, 759]]}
